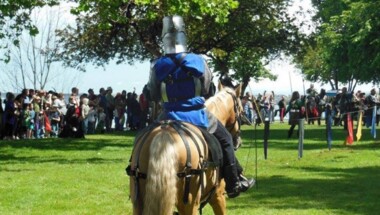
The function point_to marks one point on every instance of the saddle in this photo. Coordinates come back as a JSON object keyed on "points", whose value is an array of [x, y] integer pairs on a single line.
{"points": [[214, 148]]}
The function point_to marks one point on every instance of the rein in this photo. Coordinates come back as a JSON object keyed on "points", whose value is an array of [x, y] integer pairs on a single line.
{"points": [[237, 117]]}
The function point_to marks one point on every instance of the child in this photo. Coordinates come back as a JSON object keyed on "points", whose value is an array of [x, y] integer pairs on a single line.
{"points": [[54, 120], [85, 109], [32, 115], [91, 120], [25, 127]]}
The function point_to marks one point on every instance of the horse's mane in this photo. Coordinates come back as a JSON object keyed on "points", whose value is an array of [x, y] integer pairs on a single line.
{"points": [[221, 93], [217, 103]]}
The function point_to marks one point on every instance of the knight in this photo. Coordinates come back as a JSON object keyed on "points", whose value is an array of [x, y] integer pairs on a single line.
{"points": [[181, 81]]}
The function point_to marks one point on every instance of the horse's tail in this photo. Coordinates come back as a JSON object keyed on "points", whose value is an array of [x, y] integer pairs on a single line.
{"points": [[161, 184]]}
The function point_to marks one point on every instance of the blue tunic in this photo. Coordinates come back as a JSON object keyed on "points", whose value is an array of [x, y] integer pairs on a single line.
{"points": [[182, 102]]}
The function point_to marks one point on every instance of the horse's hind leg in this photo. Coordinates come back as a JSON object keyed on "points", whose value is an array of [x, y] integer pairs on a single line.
{"points": [[218, 201], [190, 208]]}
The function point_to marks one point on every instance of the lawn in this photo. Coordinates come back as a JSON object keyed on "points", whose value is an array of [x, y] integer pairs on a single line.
{"points": [[87, 176]]}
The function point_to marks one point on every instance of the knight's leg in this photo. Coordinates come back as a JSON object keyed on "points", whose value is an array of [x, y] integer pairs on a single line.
{"points": [[230, 170], [229, 166]]}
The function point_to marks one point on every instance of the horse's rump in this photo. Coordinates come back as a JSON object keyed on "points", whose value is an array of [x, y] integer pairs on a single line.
{"points": [[168, 166]]}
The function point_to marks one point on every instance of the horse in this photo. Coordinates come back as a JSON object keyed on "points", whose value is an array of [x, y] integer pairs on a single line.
{"points": [[172, 166]]}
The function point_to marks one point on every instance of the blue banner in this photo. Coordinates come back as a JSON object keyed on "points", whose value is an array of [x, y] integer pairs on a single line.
{"points": [[301, 134], [328, 126], [373, 128]]}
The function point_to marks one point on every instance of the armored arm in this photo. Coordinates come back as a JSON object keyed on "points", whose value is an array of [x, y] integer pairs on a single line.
{"points": [[208, 89], [153, 87]]}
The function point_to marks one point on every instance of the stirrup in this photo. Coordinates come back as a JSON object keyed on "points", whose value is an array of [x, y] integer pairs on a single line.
{"points": [[245, 183]]}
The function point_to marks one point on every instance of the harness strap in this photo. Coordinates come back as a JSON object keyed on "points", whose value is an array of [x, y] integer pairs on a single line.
{"points": [[190, 172], [134, 171], [177, 126], [204, 203], [237, 118], [164, 95], [190, 131], [204, 163], [137, 174], [198, 86]]}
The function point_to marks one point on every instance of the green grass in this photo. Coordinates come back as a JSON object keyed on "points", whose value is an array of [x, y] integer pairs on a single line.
{"points": [[70, 176]]}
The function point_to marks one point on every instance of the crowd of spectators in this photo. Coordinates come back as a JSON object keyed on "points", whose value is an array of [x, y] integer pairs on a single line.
{"points": [[265, 106], [35, 114]]}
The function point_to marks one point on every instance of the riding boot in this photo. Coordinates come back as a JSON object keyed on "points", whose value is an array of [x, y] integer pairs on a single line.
{"points": [[232, 181]]}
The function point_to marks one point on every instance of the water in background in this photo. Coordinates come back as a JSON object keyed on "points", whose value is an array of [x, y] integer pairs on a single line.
{"points": [[2, 100]]}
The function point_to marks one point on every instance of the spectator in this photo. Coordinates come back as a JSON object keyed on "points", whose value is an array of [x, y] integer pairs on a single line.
{"points": [[247, 109], [370, 101], [296, 108], [85, 109], [282, 108], [144, 106], [345, 104], [109, 108], [129, 108], [101, 121], [92, 97], [55, 119], [9, 117], [91, 119], [119, 112], [135, 112], [73, 127], [1, 118], [30, 129]]}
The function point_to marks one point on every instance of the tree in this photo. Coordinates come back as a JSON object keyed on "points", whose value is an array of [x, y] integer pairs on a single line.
{"points": [[15, 17], [346, 47], [256, 32], [225, 31], [34, 63]]}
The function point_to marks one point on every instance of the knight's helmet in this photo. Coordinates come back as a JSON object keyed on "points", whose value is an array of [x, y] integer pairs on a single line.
{"points": [[173, 35]]}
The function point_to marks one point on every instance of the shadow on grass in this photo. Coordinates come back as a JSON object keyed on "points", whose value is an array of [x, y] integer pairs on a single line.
{"points": [[10, 158], [9, 150], [91, 142], [353, 190]]}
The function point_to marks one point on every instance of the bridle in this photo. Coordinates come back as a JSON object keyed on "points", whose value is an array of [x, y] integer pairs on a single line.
{"points": [[238, 119]]}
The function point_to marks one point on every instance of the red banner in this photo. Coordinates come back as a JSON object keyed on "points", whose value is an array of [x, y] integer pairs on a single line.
{"points": [[350, 136]]}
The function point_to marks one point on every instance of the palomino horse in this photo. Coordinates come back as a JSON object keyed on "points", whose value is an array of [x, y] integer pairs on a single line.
{"points": [[171, 165]]}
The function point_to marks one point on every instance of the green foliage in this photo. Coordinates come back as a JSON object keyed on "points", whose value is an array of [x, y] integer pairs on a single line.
{"points": [[87, 176], [226, 31], [347, 43], [129, 31], [15, 17]]}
